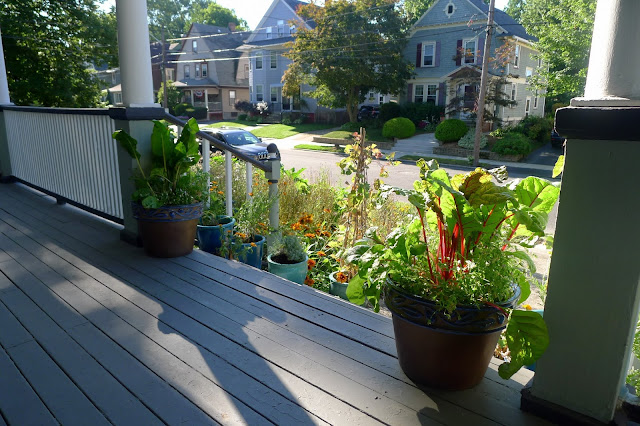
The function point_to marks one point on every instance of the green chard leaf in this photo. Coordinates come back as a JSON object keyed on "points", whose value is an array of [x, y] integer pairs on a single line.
{"points": [[127, 142], [527, 337], [559, 167]]}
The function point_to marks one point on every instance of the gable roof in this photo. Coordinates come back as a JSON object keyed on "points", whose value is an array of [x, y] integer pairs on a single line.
{"points": [[292, 4]]}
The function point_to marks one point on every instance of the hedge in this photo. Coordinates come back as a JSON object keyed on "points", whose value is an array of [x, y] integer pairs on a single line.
{"points": [[512, 143], [451, 130], [398, 127]]}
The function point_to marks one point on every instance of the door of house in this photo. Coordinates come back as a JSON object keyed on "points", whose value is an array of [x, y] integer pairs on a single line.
{"points": [[286, 103], [469, 98]]}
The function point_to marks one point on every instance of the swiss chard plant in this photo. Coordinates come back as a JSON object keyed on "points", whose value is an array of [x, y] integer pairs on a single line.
{"points": [[465, 247], [171, 178]]}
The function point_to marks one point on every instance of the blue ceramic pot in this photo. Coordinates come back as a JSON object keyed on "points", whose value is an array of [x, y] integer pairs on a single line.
{"points": [[295, 272], [210, 237], [252, 254]]}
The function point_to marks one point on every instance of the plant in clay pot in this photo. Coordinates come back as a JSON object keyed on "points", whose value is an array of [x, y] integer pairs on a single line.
{"points": [[453, 276], [170, 189]]}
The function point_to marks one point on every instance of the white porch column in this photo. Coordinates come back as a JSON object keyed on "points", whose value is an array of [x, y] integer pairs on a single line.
{"points": [[594, 280], [134, 54], [4, 85]]}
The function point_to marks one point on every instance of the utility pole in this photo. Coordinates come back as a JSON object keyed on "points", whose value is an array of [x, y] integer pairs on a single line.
{"points": [[483, 85], [164, 72]]}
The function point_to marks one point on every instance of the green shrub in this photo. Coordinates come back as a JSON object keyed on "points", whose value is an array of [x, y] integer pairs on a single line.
{"points": [[185, 109], [421, 111], [398, 127], [390, 110], [242, 117], [180, 108], [536, 128], [351, 127], [512, 143], [468, 140], [555, 107], [451, 130], [286, 118]]}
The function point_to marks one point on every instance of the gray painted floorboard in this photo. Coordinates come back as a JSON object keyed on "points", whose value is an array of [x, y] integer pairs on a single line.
{"points": [[196, 340]]}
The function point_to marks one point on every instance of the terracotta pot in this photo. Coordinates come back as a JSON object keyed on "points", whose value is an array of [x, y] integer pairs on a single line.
{"points": [[448, 353], [168, 231]]}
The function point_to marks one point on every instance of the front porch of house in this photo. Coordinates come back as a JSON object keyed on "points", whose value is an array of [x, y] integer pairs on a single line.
{"points": [[96, 332]]}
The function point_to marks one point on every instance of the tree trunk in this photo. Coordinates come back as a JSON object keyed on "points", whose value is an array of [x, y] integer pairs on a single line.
{"points": [[352, 107]]}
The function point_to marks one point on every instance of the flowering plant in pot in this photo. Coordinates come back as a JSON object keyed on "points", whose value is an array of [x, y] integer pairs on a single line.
{"points": [[170, 189], [288, 257], [214, 223], [248, 240], [453, 276]]}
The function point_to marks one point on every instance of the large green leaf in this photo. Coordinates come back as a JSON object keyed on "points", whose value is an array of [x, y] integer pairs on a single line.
{"points": [[537, 194], [527, 337], [127, 142], [355, 290], [559, 167], [188, 137], [162, 142]]}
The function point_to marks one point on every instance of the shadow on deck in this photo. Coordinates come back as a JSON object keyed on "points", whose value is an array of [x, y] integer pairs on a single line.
{"points": [[94, 332]]}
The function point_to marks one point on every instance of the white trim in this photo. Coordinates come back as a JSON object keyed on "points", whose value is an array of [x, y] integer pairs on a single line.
{"points": [[433, 59], [517, 56], [513, 94], [535, 101], [446, 9], [527, 102]]}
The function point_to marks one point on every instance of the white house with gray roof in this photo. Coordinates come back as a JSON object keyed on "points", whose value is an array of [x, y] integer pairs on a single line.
{"points": [[448, 40], [211, 72]]}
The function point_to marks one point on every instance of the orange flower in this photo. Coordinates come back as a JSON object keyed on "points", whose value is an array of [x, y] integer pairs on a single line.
{"points": [[327, 210], [310, 235], [310, 264], [253, 245], [220, 192], [251, 194], [341, 277], [309, 281], [527, 307], [321, 254], [213, 181], [296, 226]]}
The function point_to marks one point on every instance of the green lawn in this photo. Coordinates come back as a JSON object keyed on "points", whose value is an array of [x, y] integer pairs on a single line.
{"points": [[450, 161], [372, 135], [314, 147], [236, 123], [280, 131]]}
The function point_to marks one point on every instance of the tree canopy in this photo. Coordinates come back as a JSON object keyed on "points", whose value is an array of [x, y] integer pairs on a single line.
{"points": [[214, 14], [355, 47], [47, 46], [564, 29]]}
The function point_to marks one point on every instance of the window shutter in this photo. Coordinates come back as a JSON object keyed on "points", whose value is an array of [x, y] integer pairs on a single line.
{"points": [[480, 50], [419, 56], [459, 53], [437, 60], [410, 92], [441, 94]]}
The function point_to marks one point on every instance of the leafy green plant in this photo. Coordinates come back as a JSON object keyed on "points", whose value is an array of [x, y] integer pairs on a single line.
{"points": [[451, 130], [216, 208], [398, 127], [389, 110], [252, 217], [422, 111], [171, 178], [465, 247], [513, 143], [468, 141], [287, 249]]}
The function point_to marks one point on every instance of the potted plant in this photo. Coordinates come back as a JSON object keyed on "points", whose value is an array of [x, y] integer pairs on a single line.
{"points": [[214, 224], [248, 239], [169, 191], [452, 277], [288, 258]]}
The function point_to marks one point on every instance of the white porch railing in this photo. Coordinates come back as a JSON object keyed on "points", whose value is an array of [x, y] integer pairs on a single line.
{"points": [[67, 152]]}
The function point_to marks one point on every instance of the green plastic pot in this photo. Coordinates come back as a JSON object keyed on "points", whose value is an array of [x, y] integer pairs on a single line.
{"points": [[294, 272]]}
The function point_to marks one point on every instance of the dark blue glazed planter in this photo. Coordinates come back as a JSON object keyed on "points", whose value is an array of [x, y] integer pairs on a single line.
{"points": [[252, 255], [210, 237]]}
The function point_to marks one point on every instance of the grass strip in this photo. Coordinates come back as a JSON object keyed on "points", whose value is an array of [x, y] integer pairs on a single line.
{"points": [[313, 147], [450, 161]]}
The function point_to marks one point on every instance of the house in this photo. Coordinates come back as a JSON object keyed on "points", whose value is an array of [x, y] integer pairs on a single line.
{"points": [[211, 72], [170, 55], [447, 45], [267, 65]]}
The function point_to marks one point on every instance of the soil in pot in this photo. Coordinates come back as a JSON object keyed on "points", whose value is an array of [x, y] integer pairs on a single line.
{"points": [[281, 266]]}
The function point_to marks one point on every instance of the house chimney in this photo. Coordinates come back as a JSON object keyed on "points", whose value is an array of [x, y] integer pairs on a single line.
{"points": [[232, 26]]}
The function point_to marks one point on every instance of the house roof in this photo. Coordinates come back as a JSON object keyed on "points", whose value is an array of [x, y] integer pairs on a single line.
{"points": [[192, 82], [510, 25], [294, 4], [270, 41]]}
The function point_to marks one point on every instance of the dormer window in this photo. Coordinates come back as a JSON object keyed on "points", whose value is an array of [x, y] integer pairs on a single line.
{"points": [[449, 9], [268, 32], [280, 28], [194, 46]]}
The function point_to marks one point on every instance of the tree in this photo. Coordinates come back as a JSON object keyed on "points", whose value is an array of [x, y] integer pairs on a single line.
{"points": [[564, 29], [173, 94], [172, 15], [355, 47], [515, 8], [47, 47], [214, 14]]}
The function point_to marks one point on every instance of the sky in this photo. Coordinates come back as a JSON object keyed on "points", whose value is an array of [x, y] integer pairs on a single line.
{"points": [[252, 11]]}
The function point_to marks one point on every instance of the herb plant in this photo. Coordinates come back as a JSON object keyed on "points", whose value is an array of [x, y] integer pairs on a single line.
{"points": [[287, 249], [465, 247], [171, 178]]}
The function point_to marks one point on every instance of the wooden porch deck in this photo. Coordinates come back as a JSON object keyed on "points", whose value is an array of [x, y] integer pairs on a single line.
{"points": [[94, 332]]}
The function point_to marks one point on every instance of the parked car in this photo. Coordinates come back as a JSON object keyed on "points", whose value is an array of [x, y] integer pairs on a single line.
{"points": [[245, 141], [367, 112], [557, 141]]}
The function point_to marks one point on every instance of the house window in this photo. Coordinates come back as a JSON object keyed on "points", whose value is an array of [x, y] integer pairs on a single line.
{"points": [[432, 93], [204, 70], [259, 61], [418, 95], [469, 51], [170, 73], [274, 94], [197, 70], [232, 97], [449, 9], [280, 28], [513, 93], [381, 99], [259, 93], [274, 60], [528, 73], [194, 46], [246, 70], [269, 32], [516, 61], [428, 54], [117, 98], [292, 29], [535, 101], [187, 71], [527, 106]]}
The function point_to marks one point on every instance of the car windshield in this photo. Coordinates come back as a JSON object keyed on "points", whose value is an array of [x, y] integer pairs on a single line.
{"points": [[241, 138]]}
